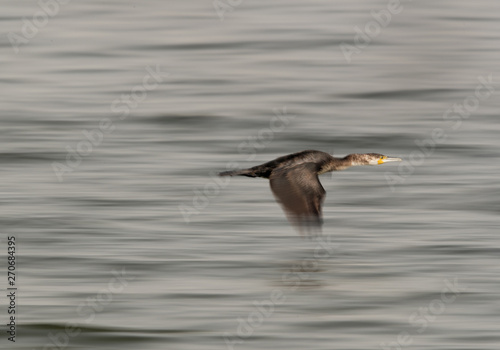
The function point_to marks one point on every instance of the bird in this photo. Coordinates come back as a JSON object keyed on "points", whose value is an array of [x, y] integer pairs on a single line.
{"points": [[295, 184]]}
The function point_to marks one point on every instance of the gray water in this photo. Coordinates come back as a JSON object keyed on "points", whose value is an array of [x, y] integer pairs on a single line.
{"points": [[409, 253]]}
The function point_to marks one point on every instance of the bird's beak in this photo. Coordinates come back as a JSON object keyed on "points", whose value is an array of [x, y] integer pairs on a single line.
{"points": [[389, 159]]}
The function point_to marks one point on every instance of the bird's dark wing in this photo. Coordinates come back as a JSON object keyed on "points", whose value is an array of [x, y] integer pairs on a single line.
{"points": [[300, 193]]}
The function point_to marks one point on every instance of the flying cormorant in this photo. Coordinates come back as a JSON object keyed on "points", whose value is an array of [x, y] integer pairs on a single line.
{"points": [[295, 184]]}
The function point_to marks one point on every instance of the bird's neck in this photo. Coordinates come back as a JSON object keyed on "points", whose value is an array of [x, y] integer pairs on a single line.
{"points": [[337, 164]]}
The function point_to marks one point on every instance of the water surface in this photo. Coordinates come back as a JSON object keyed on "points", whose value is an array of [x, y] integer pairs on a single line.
{"points": [[138, 245]]}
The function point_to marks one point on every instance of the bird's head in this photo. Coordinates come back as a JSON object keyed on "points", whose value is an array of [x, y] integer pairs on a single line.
{"points": [[376, 159], [371, 159]]}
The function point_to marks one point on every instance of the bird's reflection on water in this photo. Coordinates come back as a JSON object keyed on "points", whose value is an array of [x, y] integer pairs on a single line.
{"points": [[300, 274], [304, 272]]}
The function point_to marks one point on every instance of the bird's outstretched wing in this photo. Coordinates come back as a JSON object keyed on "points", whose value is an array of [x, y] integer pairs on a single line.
{"points": [[301, 195]]}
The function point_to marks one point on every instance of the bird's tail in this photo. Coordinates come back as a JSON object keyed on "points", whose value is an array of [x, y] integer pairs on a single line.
{"points": [[242, 172]]}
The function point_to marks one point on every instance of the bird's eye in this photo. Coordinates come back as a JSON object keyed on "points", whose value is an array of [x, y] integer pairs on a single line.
{"points": [[381, 157]]}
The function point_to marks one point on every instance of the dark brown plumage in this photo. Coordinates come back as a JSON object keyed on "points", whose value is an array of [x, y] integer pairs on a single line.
{"points": [[295, 184]]}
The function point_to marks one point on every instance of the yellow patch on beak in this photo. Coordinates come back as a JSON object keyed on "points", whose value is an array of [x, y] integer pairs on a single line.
{"points": [[382, 160]]}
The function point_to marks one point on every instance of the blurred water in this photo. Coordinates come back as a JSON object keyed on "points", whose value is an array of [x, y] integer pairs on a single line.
{"points": [[394, 237]]}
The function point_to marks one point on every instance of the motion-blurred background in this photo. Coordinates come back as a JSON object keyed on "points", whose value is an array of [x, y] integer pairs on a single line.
{"points": [[116, 115]]}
